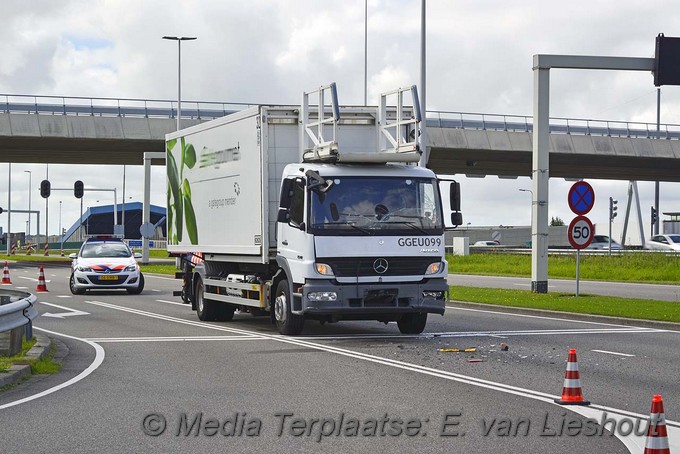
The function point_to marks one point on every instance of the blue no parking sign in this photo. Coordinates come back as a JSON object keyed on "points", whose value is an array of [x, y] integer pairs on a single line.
{"points": [[581, 197]]}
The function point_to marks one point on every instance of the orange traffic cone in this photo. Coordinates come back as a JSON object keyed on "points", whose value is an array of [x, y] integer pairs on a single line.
{"points": [[5, 276], [42, 287], [571, 392], [657, 437]]}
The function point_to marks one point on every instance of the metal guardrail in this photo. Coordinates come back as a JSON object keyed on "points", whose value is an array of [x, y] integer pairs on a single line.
{"points": [[114, 107], [18, 312], [558, 125], [202, 110]]}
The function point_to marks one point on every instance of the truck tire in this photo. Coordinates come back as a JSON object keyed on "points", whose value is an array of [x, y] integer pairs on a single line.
{"points": [[209, 310], [412, 323], [287, 322]]}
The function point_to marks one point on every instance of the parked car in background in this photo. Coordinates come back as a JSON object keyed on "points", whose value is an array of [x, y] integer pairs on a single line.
{"points": [[487, 243], [664, 243], [601, 242]]}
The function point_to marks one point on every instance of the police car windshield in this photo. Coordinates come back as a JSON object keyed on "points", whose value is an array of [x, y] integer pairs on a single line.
{"points": [[112, 250]]}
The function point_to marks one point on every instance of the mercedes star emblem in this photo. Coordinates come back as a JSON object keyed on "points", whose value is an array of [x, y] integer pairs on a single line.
{"points": [[380, 266]]}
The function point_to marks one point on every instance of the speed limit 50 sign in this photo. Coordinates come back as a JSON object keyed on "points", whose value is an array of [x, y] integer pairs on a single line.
{"points": [[581, 232]]}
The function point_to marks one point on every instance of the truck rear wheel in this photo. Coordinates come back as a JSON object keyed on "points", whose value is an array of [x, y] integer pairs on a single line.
{"points": [[209, 310], [287, 322], [412, 323]]}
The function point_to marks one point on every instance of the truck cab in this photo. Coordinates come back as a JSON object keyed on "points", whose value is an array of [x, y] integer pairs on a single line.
{"points": [[362, 242]]}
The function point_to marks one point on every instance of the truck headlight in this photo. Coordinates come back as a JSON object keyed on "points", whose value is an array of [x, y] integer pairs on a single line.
{"points": [[322, 296], [434, 268], [323, 269], [435, 295]]}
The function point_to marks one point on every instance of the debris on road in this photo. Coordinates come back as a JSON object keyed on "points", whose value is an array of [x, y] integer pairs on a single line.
{"points": [[458, 350]]}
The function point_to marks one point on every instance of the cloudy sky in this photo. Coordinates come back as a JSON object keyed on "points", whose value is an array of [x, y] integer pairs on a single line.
{"points": [[479, 58]]}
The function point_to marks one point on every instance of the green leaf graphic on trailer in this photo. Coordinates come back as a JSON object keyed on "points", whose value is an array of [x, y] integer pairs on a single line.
{"points": [[173, 180]]}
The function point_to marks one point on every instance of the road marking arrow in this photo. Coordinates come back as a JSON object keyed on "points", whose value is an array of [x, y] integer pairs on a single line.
{"points": [[70, 313]]}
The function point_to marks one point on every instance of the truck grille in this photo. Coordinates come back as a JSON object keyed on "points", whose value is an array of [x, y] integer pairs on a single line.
{"points": [[364, 266]]}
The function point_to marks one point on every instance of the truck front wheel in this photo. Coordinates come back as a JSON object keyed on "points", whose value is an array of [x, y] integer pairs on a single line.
{"points": [[287, 322], [412, 323], [209, 310]]}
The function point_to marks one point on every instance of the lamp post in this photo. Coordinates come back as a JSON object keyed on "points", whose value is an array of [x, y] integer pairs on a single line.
{"points": [[30, 185], [179, 40], [61, 232]]}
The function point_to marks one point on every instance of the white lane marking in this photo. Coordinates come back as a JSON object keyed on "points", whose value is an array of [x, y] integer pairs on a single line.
{"points": [[543, 317], [174, 319], [155, 276], [70, 312], [613, 353], [172, 302], [176, 339], [499, 334], [33, 279], [98, 359], [155, 290], [632, 442], [522, 285], [64, 296], [22, 288]]}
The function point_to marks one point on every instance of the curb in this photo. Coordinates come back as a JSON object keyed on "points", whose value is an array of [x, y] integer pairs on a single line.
{"points": [[18, 372], [571, 315]]}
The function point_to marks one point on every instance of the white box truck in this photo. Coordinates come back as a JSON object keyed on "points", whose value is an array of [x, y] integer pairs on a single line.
{"points": [[310, 212]]}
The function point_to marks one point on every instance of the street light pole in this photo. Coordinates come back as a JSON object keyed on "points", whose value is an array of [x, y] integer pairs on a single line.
{"points": [[179, 40], [61, 232], [30, 186]]}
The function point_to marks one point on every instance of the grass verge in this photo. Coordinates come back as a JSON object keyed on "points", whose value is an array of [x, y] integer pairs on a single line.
{"points": [[45, 365], [159, 269], [566, 302], [632, 267]]}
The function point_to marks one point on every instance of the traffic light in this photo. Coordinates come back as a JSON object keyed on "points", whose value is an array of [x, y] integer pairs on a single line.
{"points": [[45, 188], [612, 208], [78, 189], [655, 216]]}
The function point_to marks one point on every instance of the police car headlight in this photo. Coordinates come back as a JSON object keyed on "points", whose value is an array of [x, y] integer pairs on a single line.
{"points": [[84, 268], [131, 268], [434, 268], [323, 269]]}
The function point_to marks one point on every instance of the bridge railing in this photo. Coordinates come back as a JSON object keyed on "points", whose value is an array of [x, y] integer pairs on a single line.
{"points": [[115, 107], [201, 110], [558, 125]]}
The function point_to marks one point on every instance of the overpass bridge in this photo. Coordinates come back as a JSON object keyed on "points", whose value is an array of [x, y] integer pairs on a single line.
{"points": [[76, 130]]}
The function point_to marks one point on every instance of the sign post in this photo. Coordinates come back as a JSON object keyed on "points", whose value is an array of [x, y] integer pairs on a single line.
{"points": [[581, 199]]}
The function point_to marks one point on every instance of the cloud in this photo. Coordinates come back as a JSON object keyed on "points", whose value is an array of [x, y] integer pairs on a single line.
{"points": [[479, 59]]}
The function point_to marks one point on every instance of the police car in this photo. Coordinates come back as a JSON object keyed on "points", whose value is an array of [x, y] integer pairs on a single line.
{"points": [[105, 263]]}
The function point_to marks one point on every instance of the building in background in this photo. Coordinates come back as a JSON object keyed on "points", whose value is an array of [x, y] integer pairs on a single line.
{"points": [[99, 221]]}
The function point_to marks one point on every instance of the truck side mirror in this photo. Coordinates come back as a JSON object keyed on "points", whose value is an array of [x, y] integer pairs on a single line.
{"points": [[454, 197], [456, 218], [283, 216], [286, 193]]}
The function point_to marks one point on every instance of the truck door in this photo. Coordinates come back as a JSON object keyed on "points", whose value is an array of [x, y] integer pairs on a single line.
{"points": [[293, 243]]}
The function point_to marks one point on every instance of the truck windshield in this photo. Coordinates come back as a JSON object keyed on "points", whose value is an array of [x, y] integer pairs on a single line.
{"points": [[377, 206]]}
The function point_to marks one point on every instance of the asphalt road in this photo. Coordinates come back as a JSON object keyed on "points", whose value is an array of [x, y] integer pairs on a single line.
{"points": [[371, 389], [623, 289]]}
